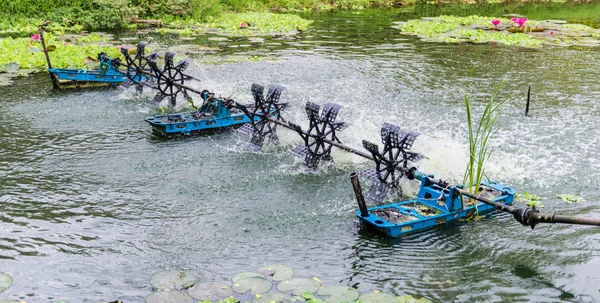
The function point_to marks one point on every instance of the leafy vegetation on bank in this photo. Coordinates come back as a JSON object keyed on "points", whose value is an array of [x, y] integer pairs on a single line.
{"points": [[72, 16]]}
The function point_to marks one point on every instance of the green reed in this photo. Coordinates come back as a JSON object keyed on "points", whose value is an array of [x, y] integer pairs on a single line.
{"points": [[479, 136]]}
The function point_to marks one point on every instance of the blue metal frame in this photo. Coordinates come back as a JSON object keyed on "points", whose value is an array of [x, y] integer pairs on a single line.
{"points": [[445, 202], [106, 75], [213, 116]]}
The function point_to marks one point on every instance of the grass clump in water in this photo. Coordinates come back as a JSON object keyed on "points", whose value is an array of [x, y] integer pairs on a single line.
{"points": [[479, 136]]}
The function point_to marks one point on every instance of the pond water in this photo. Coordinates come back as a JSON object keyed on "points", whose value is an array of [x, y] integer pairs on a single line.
{"points": [[93, 205]]}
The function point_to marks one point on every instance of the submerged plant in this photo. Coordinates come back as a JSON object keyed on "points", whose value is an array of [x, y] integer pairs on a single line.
{"points": [[479, 136]]}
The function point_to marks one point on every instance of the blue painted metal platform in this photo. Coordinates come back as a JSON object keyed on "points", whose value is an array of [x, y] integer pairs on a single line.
{"points": [[215, 115], [433, 206], [107, 75]]}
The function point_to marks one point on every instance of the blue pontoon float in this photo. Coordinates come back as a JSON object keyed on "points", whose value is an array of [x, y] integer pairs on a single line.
{"points": [[215, 115], [436, 204], [107, 75]]}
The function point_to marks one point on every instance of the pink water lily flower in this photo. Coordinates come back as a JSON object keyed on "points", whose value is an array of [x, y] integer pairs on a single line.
{"points": [[242, 25], [35, 37], [551, 32], [495, 22], [521, 21]]}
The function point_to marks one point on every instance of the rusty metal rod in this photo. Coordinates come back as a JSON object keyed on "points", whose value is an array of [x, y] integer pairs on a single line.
{"points": [[528, 98], [41, 31], [362, 206]]}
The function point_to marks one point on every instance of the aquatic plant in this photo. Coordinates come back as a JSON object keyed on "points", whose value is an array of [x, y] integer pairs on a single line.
{"points": [[259, 23], [19, 51], [570, 198], [529, 199], [479, 136], [495, 22], [514, 32]]}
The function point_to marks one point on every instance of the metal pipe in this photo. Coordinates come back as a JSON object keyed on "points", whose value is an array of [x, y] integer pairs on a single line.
{"points": [[362, 206], [528, 98], [41, 31]]}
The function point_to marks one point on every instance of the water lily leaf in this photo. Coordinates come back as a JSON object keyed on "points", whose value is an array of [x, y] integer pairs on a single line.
{"points": [[173, 279], [174, 296], [5, 281], [277, 271], [10, 68], [254, 285], [377, 297], [51, 48], [275, 297], [299, 286], [244, 275], [339, 294], [28, 71], [411, 299], [570, 198], [213, 291]]}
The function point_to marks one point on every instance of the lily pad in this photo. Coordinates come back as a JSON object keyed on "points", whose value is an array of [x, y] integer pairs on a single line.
{"points": [[10, 68], [247, 274], [173, 279], [28, 71], [411, 299], [338, 294], [212, 291], [254, 285], [377, 297], [277, 271], [174, 296], [298, 286], [51, 48], [218, 39], [5, 281], [275, 297]]}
